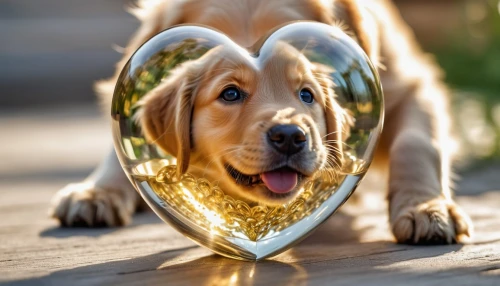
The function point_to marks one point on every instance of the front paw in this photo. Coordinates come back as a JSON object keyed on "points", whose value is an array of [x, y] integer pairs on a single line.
{"points": [[437, 221], [84, 204]]}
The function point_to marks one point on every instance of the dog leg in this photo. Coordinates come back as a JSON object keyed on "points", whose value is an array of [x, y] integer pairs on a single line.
{"points": [[421, 206], [105, 198]]}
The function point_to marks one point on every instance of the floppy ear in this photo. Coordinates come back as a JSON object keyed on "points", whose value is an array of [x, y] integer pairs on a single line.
{"points": [[338, 121], [165, 112], [361, 23]]}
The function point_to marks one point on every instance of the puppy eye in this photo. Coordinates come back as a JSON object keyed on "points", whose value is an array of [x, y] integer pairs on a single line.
{"points": [[230, 94], [306, 95]]}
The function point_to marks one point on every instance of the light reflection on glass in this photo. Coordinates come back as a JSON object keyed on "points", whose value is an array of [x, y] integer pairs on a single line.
{"points": [[203, 211]]}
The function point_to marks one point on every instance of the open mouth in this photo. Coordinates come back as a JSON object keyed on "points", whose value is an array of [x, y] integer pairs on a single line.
{"points": [[280, 181]]}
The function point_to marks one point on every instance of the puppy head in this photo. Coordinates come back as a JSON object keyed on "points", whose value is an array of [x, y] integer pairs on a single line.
{"points": [[260, 129]]}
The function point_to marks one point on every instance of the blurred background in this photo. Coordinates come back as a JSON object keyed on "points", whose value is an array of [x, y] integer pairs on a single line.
{"points": [[464, 36], [52, 133], [52, 51]]}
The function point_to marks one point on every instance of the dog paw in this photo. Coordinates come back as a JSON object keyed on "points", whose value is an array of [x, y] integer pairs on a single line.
{"points": [[84, 204], [435, 222]]}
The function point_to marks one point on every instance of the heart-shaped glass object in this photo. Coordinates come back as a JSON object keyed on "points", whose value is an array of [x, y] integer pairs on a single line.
{"points": [[247, 150]]}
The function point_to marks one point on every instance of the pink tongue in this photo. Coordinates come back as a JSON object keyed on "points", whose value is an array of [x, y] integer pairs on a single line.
{"points": [[280, 181]]}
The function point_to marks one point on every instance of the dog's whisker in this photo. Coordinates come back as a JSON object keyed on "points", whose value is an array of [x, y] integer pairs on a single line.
{"points": [[336, 153], [328, 170], [332, 169], [333, 159], [332, 144], [328, 134], [333, 147], [333, 163], [328, 142]]}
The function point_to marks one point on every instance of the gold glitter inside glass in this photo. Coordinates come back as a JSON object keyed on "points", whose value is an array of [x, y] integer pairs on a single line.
{"points": [[208, 207]]}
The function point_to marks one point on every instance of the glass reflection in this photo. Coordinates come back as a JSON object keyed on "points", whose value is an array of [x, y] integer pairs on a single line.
{"points": [[197, 206]]}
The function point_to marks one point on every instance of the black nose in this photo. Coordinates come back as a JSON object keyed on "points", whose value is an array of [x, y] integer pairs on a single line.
{"points": [[287, 139]]}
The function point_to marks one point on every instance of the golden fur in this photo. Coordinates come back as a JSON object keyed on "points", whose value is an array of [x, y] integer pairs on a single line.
{"points": [[184, 114], [415, 142]]}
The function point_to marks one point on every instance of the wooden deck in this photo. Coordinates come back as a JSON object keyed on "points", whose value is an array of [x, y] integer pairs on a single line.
{"points": [[43, 150]]}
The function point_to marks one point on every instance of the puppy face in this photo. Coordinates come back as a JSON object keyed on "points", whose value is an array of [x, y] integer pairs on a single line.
{"points": [[260, 129]]}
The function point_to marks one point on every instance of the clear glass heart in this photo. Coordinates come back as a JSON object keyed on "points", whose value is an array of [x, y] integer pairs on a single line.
{"points": [[236, 214]]}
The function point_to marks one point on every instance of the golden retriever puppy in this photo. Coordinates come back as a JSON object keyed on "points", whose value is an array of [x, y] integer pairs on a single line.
{"points": [[414, 145], [285, 103]]}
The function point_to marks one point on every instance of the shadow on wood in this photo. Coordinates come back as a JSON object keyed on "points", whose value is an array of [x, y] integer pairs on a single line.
{"points": [[334, 250], [147, 217], [197, 266]]}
